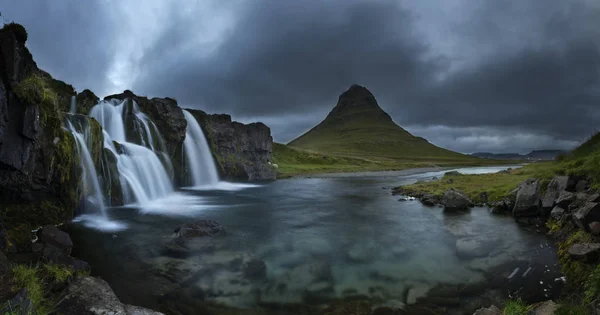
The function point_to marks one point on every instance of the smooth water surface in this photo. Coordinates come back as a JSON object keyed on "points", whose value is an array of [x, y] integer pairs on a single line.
{"points": [[320, 239]]}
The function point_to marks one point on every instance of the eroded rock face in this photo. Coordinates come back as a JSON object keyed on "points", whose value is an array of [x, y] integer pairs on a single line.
{"points": [[528, 199], [555, 187], [455, 200], [241, 151], [93, 296], [589, 252], [587, 214], [564, 199]]}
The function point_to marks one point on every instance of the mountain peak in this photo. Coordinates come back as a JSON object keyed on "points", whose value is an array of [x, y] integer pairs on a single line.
{"points": [[357, 99]]}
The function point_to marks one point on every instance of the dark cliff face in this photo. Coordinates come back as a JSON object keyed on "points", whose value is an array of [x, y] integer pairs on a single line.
{"points": [[241, 151], [170, 122], [39, 172]]}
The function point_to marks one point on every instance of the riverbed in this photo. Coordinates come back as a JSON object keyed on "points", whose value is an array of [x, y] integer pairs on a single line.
{"points": [[308, 241]]}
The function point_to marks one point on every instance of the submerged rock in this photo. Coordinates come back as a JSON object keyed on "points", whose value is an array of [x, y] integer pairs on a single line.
{"points": [[528, 199], [255, 269], [199, 229], [93, 296], [474, 247], [455, 200]]}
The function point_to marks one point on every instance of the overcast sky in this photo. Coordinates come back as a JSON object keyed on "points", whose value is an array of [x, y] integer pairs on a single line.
{"points": [[487, 75]]}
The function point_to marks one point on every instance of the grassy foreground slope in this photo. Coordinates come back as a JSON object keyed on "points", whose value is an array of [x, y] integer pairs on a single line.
{"points": [[358, 127]]}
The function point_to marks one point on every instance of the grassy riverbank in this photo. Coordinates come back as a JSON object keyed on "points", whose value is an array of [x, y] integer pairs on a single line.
{"points": [[292, 161]]}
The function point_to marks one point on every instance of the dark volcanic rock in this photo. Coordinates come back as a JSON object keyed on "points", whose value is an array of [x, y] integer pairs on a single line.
{"points": [[241, 151], [589, 213], [85, 101], [429, 200], [582, 185], [455, 200], [565, 198], [557, 213], [198, 229], [595, 228], [93, 296], [528, 199], [588, 252], [51, 235], [555, 187]]}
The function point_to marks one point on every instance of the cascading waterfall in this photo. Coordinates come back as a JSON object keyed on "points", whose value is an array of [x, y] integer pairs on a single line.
{"points": [[199, 158], [142, 174], [91, 185], [73, 109]]}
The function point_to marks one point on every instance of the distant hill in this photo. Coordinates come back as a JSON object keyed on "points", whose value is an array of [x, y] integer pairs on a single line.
{"points": [[358, 127], [538, 155]]}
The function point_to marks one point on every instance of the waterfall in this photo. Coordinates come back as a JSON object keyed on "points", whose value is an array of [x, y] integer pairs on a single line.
{"points": [[142, 174], [91, 185], [198, 154], [73, 109]]}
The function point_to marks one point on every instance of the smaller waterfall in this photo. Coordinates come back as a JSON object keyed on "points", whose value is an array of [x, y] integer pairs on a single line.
{"points": [[199, 157], [73, 109], [92, 189]]}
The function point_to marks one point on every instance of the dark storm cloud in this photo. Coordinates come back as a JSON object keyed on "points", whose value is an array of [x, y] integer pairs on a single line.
{"points": [[69, 40], [468, 75]]}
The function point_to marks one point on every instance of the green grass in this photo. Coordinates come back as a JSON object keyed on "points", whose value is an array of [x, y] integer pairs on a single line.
{"points": [[496, 185], [515, 307], [568, 309]]}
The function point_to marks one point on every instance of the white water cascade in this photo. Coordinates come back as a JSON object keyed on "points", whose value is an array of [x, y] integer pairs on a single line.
{"points": [[73, 109], [198, 154], [91, 185], [142, 174]]}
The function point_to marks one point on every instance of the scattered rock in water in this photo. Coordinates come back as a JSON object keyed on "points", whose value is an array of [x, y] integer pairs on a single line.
{"points": [[429, 200], [199, 229], [255, 269], [452, 173], [557, 213], [546, 308], [290, 287], [93, 296], [455, 200], [565, 198], [434, 178], [493, 310], [51, 235], [503, 206], [588, 252], [589, 213], [528, 199]]}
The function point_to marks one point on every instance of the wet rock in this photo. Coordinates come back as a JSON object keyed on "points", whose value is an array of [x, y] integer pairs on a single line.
{"points": [[595, 228], [429, 200], [56, 256], [546, 308], [594, 198], [565, 198], [255, 269], [503, 206], [19, 305], [434, 178], [588, 252], [557, 213], [528, 199], [199, 229], [51, 235], [555, 187], [290, 287], [493, 310], [452, 173], [587, 214], [93, 296], [455, 200], [582, 185]]}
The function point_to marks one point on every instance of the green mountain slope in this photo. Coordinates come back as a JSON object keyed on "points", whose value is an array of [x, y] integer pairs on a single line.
{"points": [[358, 127]]}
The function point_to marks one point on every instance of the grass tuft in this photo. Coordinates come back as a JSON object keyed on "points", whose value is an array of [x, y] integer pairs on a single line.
{"points": [[515, 307]]}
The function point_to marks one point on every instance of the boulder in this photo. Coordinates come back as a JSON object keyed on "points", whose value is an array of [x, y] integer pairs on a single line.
{"points": [[564, 199], [429, 200], [51, 235], [587, 214], [546, 308], [93, 296], [493, 310], [557, 213], [588, 252], [452, 173], [582, 185], [555, 187], [455, 200], [199, 229], [503, 206], [528, 199], [57, 256], [594, 198], [595, 228]]}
